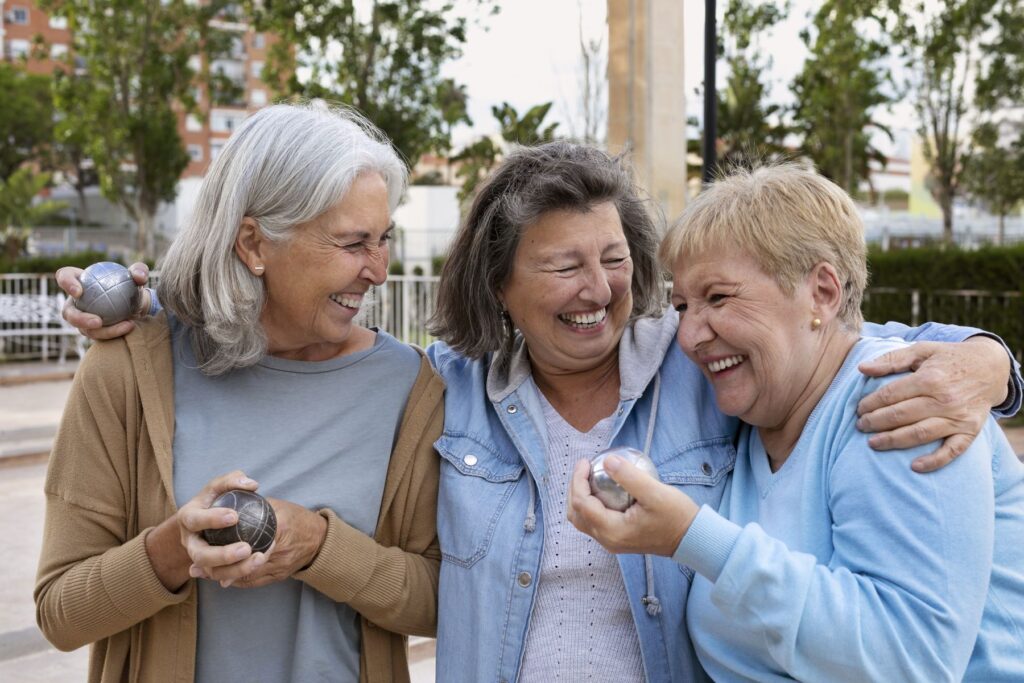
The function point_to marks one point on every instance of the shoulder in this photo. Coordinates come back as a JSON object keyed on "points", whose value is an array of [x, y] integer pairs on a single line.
{"points": [[452, 365], [404, 357]]}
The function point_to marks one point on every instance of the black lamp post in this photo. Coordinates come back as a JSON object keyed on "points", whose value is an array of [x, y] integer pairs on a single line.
{"points": [[710, 94]]}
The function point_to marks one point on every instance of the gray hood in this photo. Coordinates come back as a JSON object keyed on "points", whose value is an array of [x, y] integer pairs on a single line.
{"points": [[642, 348]]}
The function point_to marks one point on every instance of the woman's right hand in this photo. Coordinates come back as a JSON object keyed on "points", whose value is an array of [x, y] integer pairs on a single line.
{"points": [[91, 325], [222, 563]]}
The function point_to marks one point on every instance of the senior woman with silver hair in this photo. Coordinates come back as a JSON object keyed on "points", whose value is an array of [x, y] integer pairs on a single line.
{"points": [[555, 348], [256, 369], [824, 562]]}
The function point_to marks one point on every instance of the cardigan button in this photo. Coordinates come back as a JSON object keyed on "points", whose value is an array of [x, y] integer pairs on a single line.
{"points": [[525, 579]]}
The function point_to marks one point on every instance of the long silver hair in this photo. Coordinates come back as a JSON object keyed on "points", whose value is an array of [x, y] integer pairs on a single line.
{"points": [[285, 165]]}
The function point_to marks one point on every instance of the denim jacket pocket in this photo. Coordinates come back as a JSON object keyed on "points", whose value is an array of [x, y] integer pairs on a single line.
{"points": [[476, 484]]}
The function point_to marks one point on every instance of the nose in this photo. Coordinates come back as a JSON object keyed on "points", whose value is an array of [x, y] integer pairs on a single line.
{"points": [[693, 331], [375, 265], [596, 288]]}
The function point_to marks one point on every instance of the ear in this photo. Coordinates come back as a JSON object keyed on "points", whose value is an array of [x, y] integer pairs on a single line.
{"points": [[250, 245], [826, 291]]}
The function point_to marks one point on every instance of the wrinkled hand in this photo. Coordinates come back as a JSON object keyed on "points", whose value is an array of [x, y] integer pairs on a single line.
{"points": [[300, 533], [948, 396], [654, 524], [91, 325], [221, 563]]}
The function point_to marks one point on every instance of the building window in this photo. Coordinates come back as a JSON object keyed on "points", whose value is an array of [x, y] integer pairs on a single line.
{"points": [[58, 50], [225, 121], [18, 48], [18, 15], [215, 148], [59, 23], [195, 152], [193, 124], [258, 97], [258, 41], [257, 69]]}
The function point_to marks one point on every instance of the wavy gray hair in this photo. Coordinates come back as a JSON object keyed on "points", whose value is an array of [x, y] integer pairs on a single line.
{"points": [[285, 165]]}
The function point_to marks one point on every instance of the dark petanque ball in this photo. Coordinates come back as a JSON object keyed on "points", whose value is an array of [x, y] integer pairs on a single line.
{"points": [[108, 291], [604, 487], [256, 525]]}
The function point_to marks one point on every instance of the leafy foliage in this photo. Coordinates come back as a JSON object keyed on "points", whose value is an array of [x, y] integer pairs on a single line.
{"points": [[17, 193], [382, 57], [841, 88], [124, 107], [478, 158], [26, 118], [995, 172]]}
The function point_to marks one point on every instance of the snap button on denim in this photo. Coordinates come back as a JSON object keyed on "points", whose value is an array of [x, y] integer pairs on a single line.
{"points": [[525, 579], [470, 459], [706, 468], [512, 409]]}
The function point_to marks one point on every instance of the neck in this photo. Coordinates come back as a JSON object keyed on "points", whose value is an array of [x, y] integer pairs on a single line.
{"points": [[581, 397], [359, 339], [780, 440]]}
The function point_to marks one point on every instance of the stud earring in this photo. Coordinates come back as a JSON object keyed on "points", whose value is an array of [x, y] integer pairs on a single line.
{"points": [[258, 269], [816, 323]]}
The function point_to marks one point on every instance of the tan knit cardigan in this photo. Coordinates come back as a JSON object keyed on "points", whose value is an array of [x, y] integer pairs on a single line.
{"points": [[110, 481]]}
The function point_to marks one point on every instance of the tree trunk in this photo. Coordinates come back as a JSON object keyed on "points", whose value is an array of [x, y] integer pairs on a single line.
{"points": [[947, 218], [144, 236], [1001, 235], [83, 208]]}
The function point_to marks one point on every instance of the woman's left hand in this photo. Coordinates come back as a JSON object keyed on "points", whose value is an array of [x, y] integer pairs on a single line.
{"points": [[948, 395], [654, 524], [300, 533]]}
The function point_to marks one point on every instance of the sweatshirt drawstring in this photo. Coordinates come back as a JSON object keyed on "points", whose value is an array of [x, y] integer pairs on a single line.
{"points": [[650, 601], [530, 523]]}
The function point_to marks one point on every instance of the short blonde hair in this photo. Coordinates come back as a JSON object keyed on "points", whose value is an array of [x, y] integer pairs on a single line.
{"points": [[788, 219]]}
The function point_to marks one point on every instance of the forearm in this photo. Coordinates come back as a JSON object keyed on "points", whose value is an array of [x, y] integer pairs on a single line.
{"points": [[394, 588], [88, 589]]}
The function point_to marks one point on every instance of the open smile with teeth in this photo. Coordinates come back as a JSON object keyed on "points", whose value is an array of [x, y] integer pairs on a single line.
{"points": [[725, 363], [584, 320], [347, 300]]}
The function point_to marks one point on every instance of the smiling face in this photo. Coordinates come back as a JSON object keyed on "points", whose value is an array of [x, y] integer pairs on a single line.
{"points": [[316, 280], [749, 337], [569, 292]]}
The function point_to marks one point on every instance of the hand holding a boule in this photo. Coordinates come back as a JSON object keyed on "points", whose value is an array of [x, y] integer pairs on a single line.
{"points": [[654, 524], [68, 279], [225, 563], [300, 533]]}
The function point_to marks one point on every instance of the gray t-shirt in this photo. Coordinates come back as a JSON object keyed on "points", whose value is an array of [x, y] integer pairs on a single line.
{"points": [[318, 434]]}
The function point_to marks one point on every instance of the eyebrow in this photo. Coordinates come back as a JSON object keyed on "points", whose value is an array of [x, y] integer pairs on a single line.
{"points": [[569, 253], [361, 234]]}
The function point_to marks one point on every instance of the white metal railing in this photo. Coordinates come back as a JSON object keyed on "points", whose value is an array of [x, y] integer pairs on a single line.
{"points": [[403, 305]]}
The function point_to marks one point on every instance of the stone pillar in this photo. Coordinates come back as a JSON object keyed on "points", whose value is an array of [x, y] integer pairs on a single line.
{"points": [[646, 95]]}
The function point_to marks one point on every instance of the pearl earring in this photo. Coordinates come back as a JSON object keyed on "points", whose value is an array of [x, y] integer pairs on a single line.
{"points": [[816, 323]]}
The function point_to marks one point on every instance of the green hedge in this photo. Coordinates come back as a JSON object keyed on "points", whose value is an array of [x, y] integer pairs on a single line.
{"points": [[993, 271], [49, 264]]}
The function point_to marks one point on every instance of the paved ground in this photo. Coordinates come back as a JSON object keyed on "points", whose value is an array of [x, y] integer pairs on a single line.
{"points": [[31, 400]]}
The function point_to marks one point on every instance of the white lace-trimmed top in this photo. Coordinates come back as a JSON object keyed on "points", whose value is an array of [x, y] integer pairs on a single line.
{"points": [[581, 628]]}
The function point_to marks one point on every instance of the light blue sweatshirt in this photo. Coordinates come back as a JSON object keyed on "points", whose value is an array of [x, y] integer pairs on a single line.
{"points": [[845, 565]]}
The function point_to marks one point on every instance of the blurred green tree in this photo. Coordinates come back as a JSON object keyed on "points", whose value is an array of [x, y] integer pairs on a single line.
{"points": [[382, 57], [994, 174], [26, 118]]}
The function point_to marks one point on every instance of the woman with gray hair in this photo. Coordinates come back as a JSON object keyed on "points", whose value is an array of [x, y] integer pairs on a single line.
{"points": [[555, 347], [823, 562], [256, 368]]}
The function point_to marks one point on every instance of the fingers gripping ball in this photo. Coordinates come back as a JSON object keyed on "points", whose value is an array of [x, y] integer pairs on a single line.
{"points": [[108, 291], [256, 525], [604, 487]]}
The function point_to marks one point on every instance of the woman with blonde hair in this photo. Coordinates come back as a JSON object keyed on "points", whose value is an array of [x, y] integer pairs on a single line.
{"points": [[824, 561]]}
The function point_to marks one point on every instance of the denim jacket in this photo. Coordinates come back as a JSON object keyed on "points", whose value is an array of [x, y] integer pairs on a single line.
{"points": [[490, 518]]}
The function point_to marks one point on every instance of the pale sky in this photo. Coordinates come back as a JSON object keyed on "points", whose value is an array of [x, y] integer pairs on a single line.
{"points": [[529, 53]]}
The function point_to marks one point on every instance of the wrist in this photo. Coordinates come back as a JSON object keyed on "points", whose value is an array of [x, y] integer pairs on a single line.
{"points": [[999, 360], [167, 556], [317, 538]]}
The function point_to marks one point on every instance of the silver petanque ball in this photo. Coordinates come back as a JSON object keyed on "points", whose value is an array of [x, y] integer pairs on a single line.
{"points": [[108, 291], [604, 487]]}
